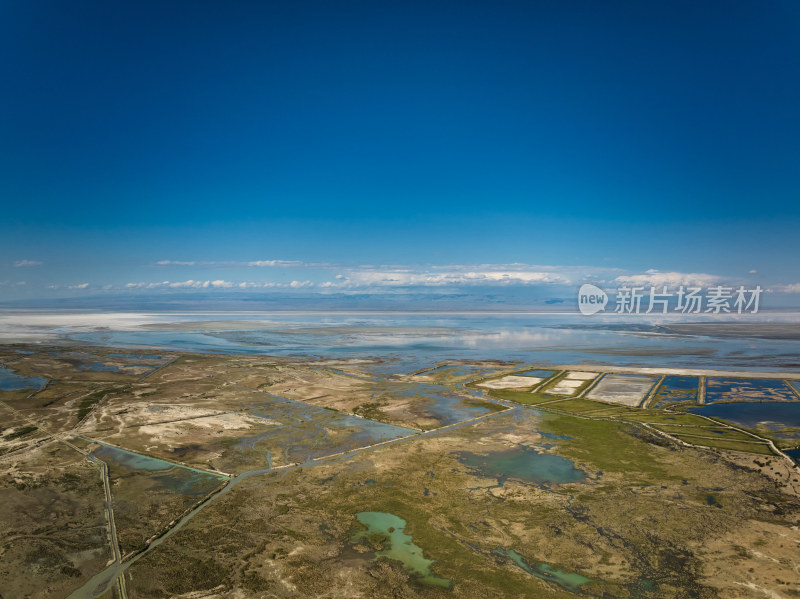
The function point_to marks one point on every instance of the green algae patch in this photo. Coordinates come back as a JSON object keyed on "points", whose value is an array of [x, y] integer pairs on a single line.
{"points": [[388, 529]]}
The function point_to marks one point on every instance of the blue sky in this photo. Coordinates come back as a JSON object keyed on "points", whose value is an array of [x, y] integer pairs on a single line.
{"points": [[385, 146]]}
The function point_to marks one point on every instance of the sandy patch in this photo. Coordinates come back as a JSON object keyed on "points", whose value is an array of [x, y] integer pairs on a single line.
{"points": [[236, 421], [756, 559]]}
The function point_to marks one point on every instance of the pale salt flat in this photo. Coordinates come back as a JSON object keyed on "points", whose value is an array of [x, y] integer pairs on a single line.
{"points": [[626, 389], [511, 382], [564, 387], [581, 376], [229, 421], [16, 326], [561, 389], [569, 384]]}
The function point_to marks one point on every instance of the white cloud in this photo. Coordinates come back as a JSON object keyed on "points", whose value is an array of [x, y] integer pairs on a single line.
{"points": [[400, 278], [236, 264], [457, 274], [417, 275], [189, 283], [388, 278], [24, 263], [217, 284], [274, 263], [656, 278], [752, 272], [793, 288], [78, 286], [147, 285]]}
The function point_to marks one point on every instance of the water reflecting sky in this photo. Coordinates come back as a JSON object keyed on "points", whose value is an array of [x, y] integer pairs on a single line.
{"points": [[420, 339]]}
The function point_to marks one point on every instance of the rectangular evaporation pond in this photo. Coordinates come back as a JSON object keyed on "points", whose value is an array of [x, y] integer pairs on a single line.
{"points": [[795, 385], [774, 417], [626, 389], [563, 387], [537, 373], [677, 389], [726, 390]]}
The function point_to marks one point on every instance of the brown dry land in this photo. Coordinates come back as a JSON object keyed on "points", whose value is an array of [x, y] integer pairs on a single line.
{"points": [[605, 506]]}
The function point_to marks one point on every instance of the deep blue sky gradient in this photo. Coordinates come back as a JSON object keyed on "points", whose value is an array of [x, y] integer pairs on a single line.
{"points": [[634, 134]]}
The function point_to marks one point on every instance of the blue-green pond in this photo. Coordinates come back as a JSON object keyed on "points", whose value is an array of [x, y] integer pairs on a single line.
{"points": [[567, 580], [397, 545], [537, 373], [677, 389], [719, 390], [174, 477], [522, 463], [774, 416], [12, 381]]}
